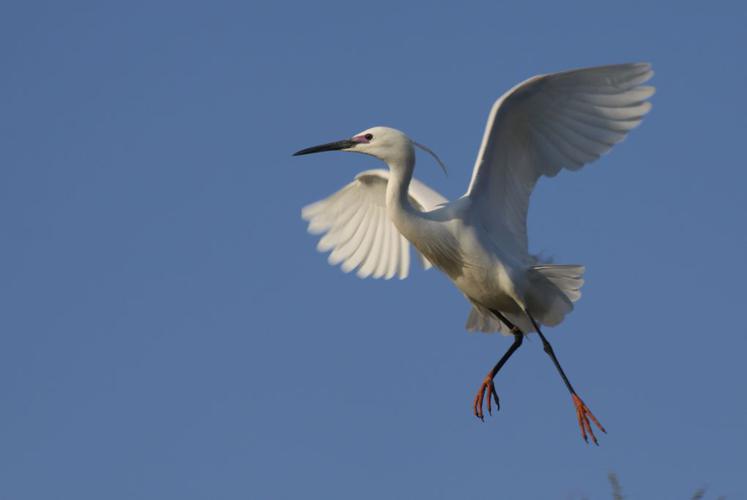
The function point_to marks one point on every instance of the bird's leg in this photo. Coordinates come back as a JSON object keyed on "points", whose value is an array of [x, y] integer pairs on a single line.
{"points": [[487, 384], [582, 411]]}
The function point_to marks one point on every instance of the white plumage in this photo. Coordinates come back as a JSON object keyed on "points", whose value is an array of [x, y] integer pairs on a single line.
{"points": [[358, 232], [541, 126]]}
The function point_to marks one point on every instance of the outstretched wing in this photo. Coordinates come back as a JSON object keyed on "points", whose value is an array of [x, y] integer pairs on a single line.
{"points": [[545, 124], [358, 231]]}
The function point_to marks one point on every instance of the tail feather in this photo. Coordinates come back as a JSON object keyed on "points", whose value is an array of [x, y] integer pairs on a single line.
{"points": [[568, 277], [553, 290], [482, 320]]}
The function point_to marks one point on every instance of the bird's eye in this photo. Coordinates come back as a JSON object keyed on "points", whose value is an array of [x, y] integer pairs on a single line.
{"points": [[368, 137]]}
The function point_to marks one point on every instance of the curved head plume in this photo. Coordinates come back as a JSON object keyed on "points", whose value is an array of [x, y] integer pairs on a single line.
{"points": [[434, 155]]}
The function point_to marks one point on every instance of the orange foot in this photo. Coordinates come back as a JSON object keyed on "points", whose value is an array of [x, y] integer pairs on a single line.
{"points": [[583, 413], [488, 388]]}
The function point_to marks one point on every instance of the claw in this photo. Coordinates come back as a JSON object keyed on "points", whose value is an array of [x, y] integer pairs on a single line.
{"points": [[494, 395], [584, 414], [487, 387], [477, 404], [490, 400]]}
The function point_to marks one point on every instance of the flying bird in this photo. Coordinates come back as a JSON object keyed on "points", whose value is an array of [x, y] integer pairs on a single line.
{"points": [[539, 127]]}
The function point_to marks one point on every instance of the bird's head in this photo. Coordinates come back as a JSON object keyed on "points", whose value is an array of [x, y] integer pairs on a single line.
{"points": [[385, 143]]}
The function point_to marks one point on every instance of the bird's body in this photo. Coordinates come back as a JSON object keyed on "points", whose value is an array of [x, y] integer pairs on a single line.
{"points": [[453, 240], [479, 241]]}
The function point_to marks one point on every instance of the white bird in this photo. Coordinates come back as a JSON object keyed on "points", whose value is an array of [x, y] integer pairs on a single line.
{"points": [[541, 126]]}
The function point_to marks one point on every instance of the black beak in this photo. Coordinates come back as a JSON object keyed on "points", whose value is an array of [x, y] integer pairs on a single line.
{"points": [[330, 146]]}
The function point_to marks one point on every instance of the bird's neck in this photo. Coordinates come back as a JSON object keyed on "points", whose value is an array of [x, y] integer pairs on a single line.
{"points": [[400, 175], [398, 205]]}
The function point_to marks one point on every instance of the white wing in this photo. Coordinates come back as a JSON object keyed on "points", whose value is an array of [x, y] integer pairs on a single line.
{"points": [[358, 230], [544, 124]]}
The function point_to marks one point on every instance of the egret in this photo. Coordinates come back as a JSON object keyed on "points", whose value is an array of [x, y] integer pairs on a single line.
{"points": [[539, 127]]}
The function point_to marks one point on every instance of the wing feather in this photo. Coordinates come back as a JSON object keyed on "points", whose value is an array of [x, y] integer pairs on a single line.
{"points": [[374, 250], [384, 250], [357, 231], [404, 260], [344, 229], [345, 251], [393, 253], [364, 249], [549, 123]]}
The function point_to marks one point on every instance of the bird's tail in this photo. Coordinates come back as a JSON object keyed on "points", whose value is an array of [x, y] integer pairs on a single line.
{"points": [[552, 291]]}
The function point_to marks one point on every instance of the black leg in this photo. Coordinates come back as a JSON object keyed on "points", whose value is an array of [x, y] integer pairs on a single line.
{"points": [[487, 384], [548, 349], [582, 411]]}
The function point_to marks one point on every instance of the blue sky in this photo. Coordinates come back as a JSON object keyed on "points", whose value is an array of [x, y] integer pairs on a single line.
{"points": [[169, 331]]}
